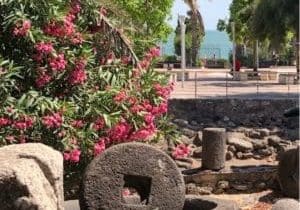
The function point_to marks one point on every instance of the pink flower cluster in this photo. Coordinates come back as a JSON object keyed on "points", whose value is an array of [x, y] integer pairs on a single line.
{"points": [[77, 123], [120, 132], [22, 29], [142, 134], [67, 28], [58, 63], [181, 151], [120, 97], [4, 122], [152, 54], [99, 124], [78, 75], [73, 156], [99, 147], [163, 91], [52, 121], [25, 123], [44, 48], [42, 80]]}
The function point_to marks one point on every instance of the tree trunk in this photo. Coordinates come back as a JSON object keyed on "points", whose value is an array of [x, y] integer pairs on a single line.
{"points": [[255, 64], [195, 40], [298, 56]]}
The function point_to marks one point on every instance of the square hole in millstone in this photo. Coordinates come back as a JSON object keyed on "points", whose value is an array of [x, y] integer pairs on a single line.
{"points": [[136, 190]]}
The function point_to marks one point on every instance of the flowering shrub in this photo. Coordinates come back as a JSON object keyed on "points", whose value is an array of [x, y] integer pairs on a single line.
{"points": [[63, 84]]}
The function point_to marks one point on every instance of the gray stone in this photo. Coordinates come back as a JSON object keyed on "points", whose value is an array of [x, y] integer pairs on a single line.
{"points": [[229, 155], [31, 177], [198, 139], [191, 189], [261, 186], [181, 122], [151, 172], [286, 204], [223, 185], [254, 134], [266, 152], [263, 132], [288, 173], [231, 148], [197, 153], [186, 140], [204, 190], [240, 144], [226, 119], [247, 155], [274, 141], [208, 203], [259, 143], [214, 146], [188, 132], [240, 187]]}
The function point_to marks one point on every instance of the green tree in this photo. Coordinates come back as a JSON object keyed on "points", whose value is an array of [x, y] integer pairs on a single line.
{"points": [[196, 29], [275, 19], [143, 21]]}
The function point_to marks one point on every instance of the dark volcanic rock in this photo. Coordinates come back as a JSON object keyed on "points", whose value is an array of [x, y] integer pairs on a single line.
{"points": [[208, 203], [152, 173], [288, 173]]}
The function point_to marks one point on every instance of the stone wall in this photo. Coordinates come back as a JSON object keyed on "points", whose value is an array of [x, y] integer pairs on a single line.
{"points": [[265, 113]]}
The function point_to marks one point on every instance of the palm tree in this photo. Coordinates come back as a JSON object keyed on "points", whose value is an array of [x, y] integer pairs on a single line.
{"points": [[197, 28]]}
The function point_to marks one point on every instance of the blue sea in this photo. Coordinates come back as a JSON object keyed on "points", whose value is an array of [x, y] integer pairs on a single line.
{"points": [[215, 43]]}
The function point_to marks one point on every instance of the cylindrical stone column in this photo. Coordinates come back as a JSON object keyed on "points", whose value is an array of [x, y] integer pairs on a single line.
{"points": [[214, 148]]}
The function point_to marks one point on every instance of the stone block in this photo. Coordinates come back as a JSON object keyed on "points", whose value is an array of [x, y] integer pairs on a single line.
{"points": [[31, 177], [288, 173]]}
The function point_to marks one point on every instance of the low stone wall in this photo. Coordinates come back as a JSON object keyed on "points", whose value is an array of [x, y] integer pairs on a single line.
{"points": [[265, 113]]}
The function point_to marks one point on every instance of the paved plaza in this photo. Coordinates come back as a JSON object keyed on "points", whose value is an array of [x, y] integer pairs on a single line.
{"points": [[214, 83]]}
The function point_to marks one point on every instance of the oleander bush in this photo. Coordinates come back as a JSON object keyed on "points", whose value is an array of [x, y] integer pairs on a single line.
{"points": [[67, 80]]}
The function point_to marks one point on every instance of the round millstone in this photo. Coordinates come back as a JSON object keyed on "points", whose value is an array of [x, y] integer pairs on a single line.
{"points": [[152, 173], [214, 148]]}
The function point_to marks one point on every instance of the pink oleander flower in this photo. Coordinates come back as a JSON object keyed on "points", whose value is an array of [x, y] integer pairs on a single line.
{"points": [[120, 97], [44, 48], [181, 151], [52, 121], [154, 52], [4, 122], [120, 132], [99, 124], [73, 156], [149, 118], [77, 123], [77, 77], [23, 29], [99, 147], [23, 124], [160, 109], [77, 38], [142, 134], [126, 192], [58, 63], [163, 91], [42, 80]]}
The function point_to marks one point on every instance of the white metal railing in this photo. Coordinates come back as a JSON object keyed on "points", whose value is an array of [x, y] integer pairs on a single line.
{"points": [[223, 83]]}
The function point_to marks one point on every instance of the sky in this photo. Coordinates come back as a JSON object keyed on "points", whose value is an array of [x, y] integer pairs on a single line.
{"points": [[211, 10]]}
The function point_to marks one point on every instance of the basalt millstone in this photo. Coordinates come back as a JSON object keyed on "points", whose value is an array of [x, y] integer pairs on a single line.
{"points": [[214, 148], [288, 173], [151, 172]]}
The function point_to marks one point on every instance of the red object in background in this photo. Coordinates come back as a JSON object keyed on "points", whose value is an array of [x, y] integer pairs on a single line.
{"points": [[237, 65]]}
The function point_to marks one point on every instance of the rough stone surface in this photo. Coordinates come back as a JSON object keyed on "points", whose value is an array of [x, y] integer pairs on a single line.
{"points": [[288, 173], [151, 172], [253, 113], [240, 144], [214, 148], [31, 177], [286, 204], [208, 203]]}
